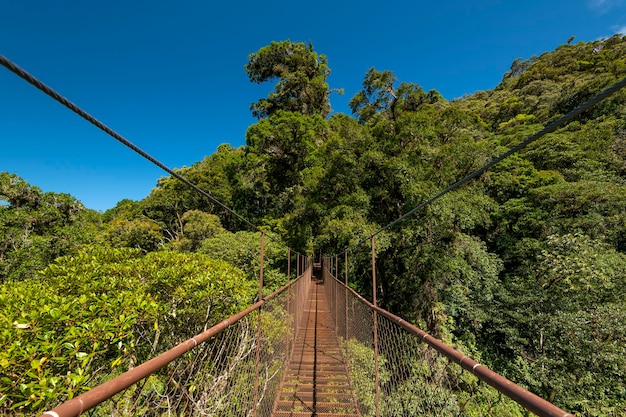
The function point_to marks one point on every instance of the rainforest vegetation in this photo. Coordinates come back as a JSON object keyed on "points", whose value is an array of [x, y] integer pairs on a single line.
{"points": [[524, 268]]}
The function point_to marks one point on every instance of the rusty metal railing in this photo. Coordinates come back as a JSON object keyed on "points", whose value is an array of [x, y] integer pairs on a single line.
{"points": [[398, 370], [213, 373]]}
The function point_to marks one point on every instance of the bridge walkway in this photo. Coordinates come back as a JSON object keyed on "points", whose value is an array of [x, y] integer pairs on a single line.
{"points": [[316, 381]]}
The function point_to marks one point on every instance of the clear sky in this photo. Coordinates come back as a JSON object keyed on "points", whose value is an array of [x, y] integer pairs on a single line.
{"points": [[168, 75]]}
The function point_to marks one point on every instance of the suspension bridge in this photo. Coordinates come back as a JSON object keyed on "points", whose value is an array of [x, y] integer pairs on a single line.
{"points": [[314, 347]]}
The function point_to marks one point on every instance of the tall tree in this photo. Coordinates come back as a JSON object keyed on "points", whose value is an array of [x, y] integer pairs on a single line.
{"points": [[301, 75], [36, 227], [379, 95]]}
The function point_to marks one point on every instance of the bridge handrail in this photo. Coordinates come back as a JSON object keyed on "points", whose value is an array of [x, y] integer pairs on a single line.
{"points": [[108, 389], [525, 398]]}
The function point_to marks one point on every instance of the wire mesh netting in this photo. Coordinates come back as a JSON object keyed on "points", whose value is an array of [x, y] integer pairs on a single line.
{"points": [[314, 348], [219, 377], [400, 375]]}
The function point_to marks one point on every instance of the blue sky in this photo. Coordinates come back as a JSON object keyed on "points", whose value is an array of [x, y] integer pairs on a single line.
{"points": [[168, 75]]}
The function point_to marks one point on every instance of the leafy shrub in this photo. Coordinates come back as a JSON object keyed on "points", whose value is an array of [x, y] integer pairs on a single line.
{"points": [[91, 316], [242, 249]]}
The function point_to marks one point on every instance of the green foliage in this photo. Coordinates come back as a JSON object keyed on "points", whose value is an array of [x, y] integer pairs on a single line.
{"points": [[225, 175], [301, 75], [378, 94], [90, 316], [137, 233], [283, 146], [197, 226], [125, 209], [362, 370], [563, 328], [522, 268], [413, 380], [243, 250], [515, 177], [37, 227]]}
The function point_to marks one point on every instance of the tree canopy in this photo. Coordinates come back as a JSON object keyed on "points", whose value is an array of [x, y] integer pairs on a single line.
{"points": [[524, 267], [301, 75]]}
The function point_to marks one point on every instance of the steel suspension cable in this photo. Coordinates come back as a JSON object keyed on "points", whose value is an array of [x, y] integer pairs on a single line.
{"points": [[59, 98], [551, 127]]}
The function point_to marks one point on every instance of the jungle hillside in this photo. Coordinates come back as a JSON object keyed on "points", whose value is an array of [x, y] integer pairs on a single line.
{"points": [[523, 268]]}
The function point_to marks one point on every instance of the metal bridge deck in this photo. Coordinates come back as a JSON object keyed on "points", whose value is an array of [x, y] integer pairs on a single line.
{"points": [[316, 382]]}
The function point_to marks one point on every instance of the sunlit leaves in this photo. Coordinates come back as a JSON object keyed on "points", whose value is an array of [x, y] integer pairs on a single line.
{"points": [[581, 267], [37, 227], [243, 250], [136, 233], [92, 315]]}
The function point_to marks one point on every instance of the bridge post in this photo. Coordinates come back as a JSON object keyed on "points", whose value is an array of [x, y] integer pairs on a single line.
{"points": [[330, 264], [346, 300], [289, 307], [336, 291], [258, 328], [375, 325]]}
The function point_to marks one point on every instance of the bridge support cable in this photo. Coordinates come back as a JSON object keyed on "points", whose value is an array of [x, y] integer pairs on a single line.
{"points": [[419, 374], [213, 372], [31, 79]]}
